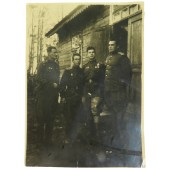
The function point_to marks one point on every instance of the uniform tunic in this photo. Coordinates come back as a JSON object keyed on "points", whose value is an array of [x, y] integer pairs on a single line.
{"points": [[71, 89], [117, 79], [94, 77], [48, 73], [93, 95]]}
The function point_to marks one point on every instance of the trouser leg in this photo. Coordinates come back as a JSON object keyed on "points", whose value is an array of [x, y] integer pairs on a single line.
{"points": [[107, 129], [40, 121], [40, 132], [67, 121], [87, 116], [120, 121], [49, 131], [49, 115], [96, 109], [70, 114]]}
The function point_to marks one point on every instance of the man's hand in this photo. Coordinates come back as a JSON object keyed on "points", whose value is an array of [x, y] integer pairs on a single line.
{"points": [[55, 85], [90, 81], [83, 100]]}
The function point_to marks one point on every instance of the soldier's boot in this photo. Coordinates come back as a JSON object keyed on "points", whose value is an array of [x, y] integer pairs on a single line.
{"points": [[96, 123]]}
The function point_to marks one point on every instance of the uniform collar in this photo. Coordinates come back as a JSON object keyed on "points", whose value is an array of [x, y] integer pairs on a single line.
{"points": [[93, 61], [75, 67], [52, 61], [113, 53]]}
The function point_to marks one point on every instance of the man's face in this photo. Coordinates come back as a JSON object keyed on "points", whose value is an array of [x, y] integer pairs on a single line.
{"points": [[91, 54], [112, 46], [76, 61], [53, 54]]}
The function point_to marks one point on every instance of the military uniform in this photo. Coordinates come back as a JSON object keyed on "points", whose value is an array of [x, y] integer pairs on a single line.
{"points": [[47, 96], [93, 95], [71, 89], [117, 79]]}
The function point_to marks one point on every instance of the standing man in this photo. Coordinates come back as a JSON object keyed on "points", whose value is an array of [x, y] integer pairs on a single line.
{"points": [[117, 79], [47, 92], [93, 93], [71, 90]]}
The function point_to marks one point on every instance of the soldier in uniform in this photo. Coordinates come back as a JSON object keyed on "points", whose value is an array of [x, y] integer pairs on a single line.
{"points": [[93, 93], [117, 79], [71, 90], [47, 95]]}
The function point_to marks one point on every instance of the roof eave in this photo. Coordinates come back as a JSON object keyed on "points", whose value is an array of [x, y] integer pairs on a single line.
{"points": [[66, 19]]}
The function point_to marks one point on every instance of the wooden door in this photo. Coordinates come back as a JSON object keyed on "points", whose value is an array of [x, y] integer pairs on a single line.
{"points": [[135, 55], [99, 40]]}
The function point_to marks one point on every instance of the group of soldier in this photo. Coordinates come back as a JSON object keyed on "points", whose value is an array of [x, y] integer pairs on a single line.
{"points": [[88, 94]]}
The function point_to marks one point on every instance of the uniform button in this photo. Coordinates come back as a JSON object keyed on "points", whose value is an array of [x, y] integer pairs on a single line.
{"points": [[90, 81]]}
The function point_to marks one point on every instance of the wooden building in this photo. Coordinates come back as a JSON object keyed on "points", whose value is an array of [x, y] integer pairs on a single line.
{"points": [[85, 26], [93, 25]]}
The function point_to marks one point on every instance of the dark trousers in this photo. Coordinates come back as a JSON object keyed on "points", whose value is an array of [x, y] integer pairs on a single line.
{"points": [[47, 106], [73, 118], [92, 109], [116, 104]]}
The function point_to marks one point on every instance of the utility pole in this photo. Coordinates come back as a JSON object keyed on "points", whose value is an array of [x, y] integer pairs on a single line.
{"points": [[40, 35], [31, 55], [38, 39], [41, 40]]}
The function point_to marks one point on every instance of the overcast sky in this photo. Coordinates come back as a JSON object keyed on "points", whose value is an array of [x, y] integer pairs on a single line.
{"points": [[53, 13]]}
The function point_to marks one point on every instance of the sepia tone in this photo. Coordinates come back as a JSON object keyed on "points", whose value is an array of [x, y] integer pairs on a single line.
{"points": [[103, 140]]}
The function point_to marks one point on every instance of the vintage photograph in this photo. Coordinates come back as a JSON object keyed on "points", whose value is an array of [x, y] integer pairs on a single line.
{"points": [[84, 85]]}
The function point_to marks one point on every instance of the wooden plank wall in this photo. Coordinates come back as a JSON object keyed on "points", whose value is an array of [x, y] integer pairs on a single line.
{"points": [[135, 55], [65, 54], [92, 36], [89, 38]]}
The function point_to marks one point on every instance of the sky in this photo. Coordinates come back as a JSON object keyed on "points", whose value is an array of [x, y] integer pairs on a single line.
{"points": [[52, 13]]}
